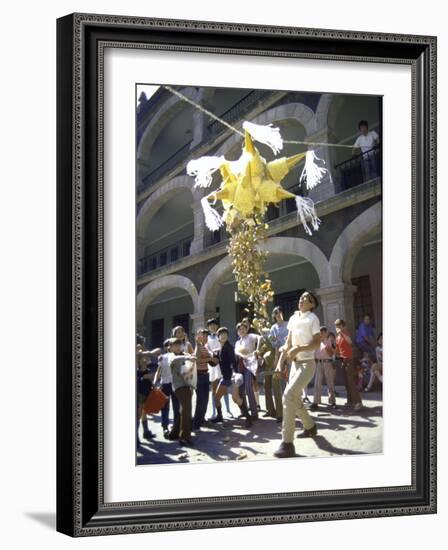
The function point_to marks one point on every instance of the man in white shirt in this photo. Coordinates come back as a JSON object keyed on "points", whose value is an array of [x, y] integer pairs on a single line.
{"points": [[302, 341], [366, 141]]}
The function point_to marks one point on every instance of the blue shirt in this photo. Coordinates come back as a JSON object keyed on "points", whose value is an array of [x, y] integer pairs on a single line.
{"points": [[363, 333], [278, 334]]}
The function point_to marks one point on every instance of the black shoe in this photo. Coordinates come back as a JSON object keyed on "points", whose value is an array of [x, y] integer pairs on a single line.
{"points": [[147, 434], [217, 418], [286, 450], [308, 433], [172, 436], [248, 423], [333, 406], [314, 407], [166, 433], [279, 420], [186, 442]]}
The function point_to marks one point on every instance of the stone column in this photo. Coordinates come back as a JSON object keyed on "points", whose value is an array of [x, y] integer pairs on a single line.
{"points": [[326, 188], [197, 243], [337, 302], [140, 248], [199, 119], [198, 128], [198, 322]]}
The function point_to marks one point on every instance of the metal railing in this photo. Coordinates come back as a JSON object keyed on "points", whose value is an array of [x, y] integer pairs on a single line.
{"points": [[164, 256], [215, 237], [359, 168]]}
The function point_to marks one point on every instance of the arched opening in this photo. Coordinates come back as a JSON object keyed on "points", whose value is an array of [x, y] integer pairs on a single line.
{"points": [[164, 303], [367, 275], [165, 234], [171, 308], [293, 264], [175, 135], [289, 274]]}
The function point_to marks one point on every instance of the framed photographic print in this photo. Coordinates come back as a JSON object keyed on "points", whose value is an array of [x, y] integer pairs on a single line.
{"points": [[246, 228]]}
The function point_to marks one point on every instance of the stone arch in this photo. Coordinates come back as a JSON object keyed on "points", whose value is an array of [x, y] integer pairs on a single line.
{"points": [[322, 110], [164, 114], [275, 245], [350, 242], [298, 111], [163, 194], [159, 285]]}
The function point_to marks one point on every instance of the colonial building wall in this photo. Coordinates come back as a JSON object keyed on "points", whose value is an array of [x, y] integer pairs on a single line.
{"points": [[332, 226], [166, 310]]}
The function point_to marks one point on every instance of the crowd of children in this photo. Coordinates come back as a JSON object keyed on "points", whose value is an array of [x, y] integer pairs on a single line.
{"points": [[216, 369]]}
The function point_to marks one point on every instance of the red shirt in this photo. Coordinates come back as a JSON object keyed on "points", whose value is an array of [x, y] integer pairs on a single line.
{"points": [[343, 348], [203, 357]]}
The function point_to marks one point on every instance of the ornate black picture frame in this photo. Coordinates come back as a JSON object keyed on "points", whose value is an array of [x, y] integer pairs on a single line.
{"points": [[81, 509]]}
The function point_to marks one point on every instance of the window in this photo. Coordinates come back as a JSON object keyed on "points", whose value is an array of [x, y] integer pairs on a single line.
{"points": [[186, 248], [182, 320], [288, 301], [163, 258], [174, 254]]}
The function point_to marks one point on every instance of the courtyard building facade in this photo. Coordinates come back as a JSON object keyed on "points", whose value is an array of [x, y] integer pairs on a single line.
{"points": [[184, 275]]}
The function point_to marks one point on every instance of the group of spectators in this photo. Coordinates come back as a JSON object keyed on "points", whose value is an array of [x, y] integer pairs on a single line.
{"points": [[289, 354]]}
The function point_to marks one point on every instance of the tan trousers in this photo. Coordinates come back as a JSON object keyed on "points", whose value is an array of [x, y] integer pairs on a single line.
{"points": [[300, 376], [324, 368]]}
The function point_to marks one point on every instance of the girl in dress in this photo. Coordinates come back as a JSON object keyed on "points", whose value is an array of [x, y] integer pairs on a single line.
{"points": [[377, 368], [246, 350]]}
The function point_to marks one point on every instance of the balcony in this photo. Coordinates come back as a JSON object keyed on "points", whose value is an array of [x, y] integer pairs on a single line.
{"points": [[215, 237], [214, 128], [359, 169], [164, 257]]}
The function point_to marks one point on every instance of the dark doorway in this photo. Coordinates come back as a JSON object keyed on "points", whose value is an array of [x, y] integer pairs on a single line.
{"points": [[157, 333]]}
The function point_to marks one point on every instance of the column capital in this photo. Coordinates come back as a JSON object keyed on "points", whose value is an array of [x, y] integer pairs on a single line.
{"points": [[333, 291], [337, 302], [198, 320]]}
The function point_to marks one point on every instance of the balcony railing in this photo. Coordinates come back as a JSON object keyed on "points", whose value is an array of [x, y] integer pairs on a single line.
{"points": [[233, 114], [215, 237], [360, 168], [237, 111], [168, 164], [165, 256]]}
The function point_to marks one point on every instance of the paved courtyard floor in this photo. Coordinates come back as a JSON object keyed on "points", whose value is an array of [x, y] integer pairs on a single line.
{"points": [[341, 431]]}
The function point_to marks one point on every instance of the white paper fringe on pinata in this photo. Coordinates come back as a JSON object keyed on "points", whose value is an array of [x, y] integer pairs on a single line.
{"points": [[269, 135], [313, 173], [213, 220], [306, 212], [203, 169]]}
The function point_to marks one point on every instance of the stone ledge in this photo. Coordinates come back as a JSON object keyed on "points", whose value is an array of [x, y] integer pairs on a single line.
{"points": [[342, 200]]}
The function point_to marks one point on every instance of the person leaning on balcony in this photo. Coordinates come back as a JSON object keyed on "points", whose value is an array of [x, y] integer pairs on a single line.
{"points": [[366, 141], [303, 339], [344, 352]]}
